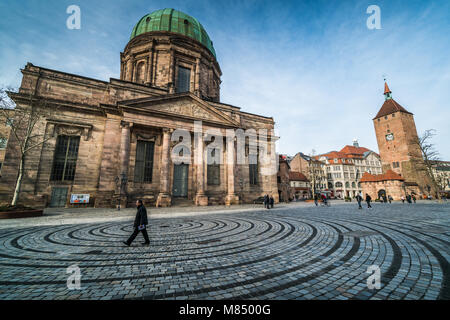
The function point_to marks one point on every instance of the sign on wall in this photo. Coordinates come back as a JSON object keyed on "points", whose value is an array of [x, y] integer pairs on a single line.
{"points": [[79, 198]]}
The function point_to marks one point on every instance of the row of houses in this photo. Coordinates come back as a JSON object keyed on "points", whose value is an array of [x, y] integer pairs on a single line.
{"points": [[339, 174]]}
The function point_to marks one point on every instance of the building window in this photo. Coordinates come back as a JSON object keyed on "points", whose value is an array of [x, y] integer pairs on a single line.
{"points": [[395, 164], [143, 169], [3, 142], [253, 168], [140, 72], [184, 79], [65, 159], [338, 184], [213, 171]]}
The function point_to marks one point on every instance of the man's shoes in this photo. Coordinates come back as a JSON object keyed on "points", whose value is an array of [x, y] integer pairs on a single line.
{"points": [[145, 243], [126, 243]]}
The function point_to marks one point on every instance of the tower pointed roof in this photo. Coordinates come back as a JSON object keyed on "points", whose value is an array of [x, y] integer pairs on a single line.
{"points": [[390, 105], [386, 88]]}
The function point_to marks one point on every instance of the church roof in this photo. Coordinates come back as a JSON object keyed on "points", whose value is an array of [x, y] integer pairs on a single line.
{"points": [[390, 106], [173, 21], [389, 175]]}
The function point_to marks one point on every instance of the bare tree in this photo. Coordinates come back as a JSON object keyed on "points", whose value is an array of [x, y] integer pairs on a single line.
{"points": [[22, 121], [425, 161]]}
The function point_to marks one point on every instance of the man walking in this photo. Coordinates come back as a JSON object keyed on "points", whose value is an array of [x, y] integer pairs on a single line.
{"points": [[140, 224], [266, 201], [359, 199], [368, 199], [271, 201], [316, 200]]}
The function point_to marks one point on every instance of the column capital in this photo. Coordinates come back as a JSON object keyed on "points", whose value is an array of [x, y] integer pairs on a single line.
{"points": [[125, 124]]}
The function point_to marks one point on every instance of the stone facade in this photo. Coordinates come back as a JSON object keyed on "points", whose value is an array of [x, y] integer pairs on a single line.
{"points": [[284, 188], [396, 132], [112, 119]]}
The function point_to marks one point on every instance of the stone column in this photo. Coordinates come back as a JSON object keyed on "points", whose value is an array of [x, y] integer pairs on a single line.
{"points": [[200, 198], [124, 155], [231, 197], [164, 198]]}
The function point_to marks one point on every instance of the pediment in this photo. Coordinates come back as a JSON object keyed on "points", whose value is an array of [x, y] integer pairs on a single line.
{"points": [[186, 106]]}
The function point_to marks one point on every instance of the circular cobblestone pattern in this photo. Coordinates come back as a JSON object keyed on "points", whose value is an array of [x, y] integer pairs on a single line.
{"points": [[285, 253]]}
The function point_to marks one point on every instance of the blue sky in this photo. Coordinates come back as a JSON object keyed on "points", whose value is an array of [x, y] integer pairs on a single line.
{"points": [[312, 65]]}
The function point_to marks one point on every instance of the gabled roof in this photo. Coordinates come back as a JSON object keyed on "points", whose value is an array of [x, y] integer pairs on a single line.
{"points": [[354, 150], [297, 176], [194, 108], [390, 106], [389, 175]]}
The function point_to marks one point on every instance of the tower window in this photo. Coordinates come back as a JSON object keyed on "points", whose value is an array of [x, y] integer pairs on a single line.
{"points": [[184, 79]]}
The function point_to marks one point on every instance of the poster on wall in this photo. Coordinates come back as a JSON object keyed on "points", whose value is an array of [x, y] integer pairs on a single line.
{"points": [[79, 198]]}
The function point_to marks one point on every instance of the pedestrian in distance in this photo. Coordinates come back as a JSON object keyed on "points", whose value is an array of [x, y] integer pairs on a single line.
{"points": [[390, 198], [384, 198], [271, 201], [316, 200], [414, 198], [266, 201], [359, 199], [140, 224], [368, 200], [408, 198]]}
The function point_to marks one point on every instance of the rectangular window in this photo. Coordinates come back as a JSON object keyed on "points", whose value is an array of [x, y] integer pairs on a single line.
{"points": [[395, 164], [65, 159], [143, 169], [183, 80], [253, 168]]}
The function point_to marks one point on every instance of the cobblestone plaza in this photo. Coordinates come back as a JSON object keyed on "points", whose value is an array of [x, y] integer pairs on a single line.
{"points": [[295, 251]]}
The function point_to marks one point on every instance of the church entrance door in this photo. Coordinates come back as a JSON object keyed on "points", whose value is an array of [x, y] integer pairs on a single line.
{"points": [[180, 180]]}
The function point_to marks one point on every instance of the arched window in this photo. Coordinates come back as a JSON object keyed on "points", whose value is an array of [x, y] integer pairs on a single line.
{"points": [[140, 72], [338, 184], [330, 185], [347, 184], [353, 185]]}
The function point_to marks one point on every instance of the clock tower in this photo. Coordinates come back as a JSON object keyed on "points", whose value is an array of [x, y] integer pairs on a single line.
{"points": [[396, 130]]}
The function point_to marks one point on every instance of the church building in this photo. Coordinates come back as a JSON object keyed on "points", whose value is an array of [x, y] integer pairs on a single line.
{"points": [[112, 141]]}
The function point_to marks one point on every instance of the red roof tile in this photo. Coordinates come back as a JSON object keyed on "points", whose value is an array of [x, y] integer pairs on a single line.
{"points": [[390, 106], [354, 150], [389, 175], [297, 176]]}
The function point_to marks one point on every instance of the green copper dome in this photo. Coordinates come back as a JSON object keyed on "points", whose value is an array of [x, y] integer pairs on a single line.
{"points": [[173, 21]]}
